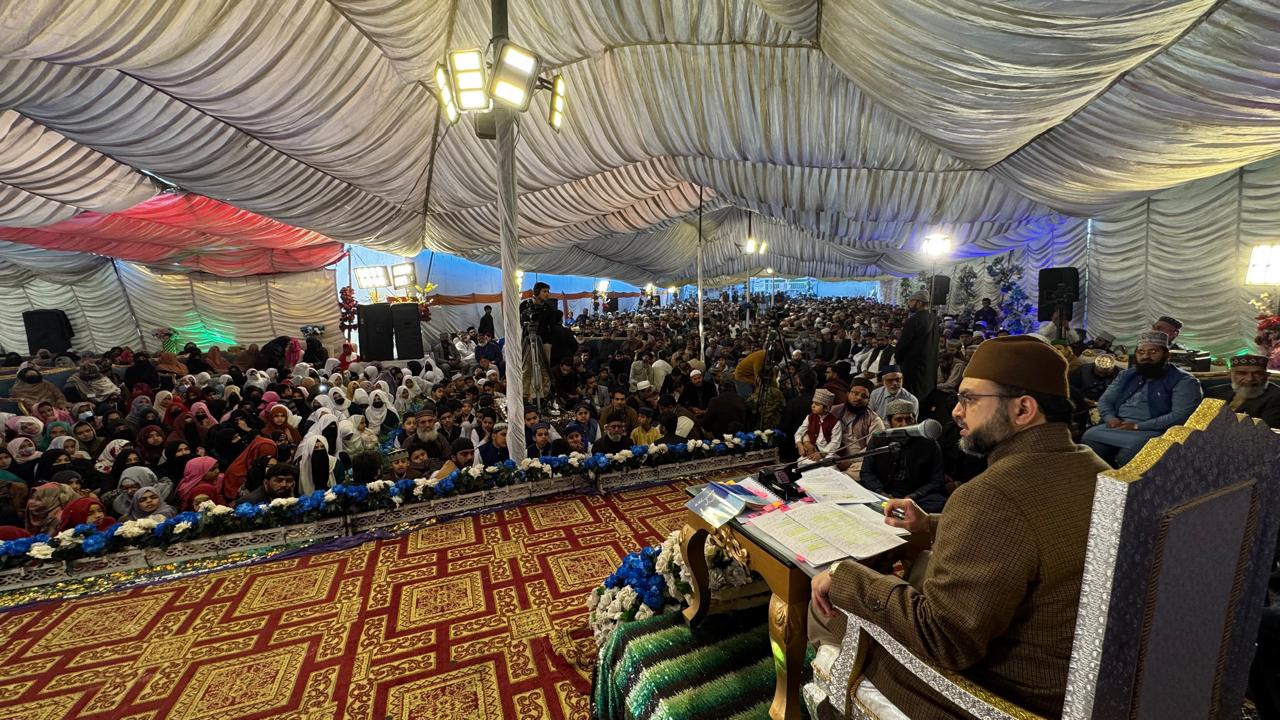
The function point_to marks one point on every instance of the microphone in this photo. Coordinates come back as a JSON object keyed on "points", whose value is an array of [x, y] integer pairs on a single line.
{"points": [[930, 428]]}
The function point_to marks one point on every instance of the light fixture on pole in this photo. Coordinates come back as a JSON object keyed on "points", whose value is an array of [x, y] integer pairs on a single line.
{"points": [[602, 286], [515, 75], [372, 277], [467, 78], [404, 275], [447, 101], [764, 245], [559, 101], [935, 245]]}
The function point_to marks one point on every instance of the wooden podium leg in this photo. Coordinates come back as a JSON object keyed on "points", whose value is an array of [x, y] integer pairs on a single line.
{"points": [[787, 639], [693, 543]]}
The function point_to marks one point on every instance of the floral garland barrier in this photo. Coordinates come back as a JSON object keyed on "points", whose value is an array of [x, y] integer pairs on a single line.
{"points": [[654, 581], [350, 508]]}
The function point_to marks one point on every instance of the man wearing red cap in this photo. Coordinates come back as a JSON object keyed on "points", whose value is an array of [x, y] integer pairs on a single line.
{"points": [[999, 597]]}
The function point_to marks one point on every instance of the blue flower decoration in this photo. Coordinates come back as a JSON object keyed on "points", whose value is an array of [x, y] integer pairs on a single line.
{"points": [[94, 544]]}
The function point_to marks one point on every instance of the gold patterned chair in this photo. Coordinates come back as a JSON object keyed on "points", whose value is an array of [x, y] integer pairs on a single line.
{"points": [[1175, 575]]}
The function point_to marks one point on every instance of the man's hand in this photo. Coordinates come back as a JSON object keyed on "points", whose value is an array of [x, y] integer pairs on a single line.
{"points": [[821, 592], [1114, 423], [1128, 426], [913, 518]]}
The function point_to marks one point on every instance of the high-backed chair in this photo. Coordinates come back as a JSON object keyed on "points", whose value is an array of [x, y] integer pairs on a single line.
{"points": [[1180, 545]]}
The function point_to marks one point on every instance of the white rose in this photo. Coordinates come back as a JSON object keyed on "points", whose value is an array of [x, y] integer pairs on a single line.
{"points": [[130, 529], [397, 501], [41, 551], [147, 523], [206, 506], [574, 462], [218, 509], [644, 613], [330, 496], [67, 535], [181, 527], [474, 471], [491, 469], [524, 464]]}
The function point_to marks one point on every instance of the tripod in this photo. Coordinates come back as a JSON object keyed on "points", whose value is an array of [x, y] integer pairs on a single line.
{"points": [[536, 363]]}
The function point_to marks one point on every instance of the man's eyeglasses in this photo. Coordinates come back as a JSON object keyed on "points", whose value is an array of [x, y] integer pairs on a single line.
{"points": [[966, 399]]}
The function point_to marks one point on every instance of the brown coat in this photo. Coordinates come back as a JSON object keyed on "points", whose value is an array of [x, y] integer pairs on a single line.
{"points": [[999, 599]]}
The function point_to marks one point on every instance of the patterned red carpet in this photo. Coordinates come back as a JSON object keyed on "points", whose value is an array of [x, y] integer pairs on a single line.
{"points": [[482, 617]]}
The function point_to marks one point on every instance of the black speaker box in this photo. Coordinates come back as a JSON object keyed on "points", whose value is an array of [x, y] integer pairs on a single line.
{"points": [[49, 330], [408, 329], [611, 305], [1058, 285], [376, 332], [939, 289]]}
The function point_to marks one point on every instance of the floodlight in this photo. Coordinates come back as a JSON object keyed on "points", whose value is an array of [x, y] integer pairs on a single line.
{"points": [[445, 95], [373, 276], [768, 271], [602, 286], [515, 74], [671, 290], [466, 70], [936, 244], [750, 247], [1264, 266], [559, 92], [404, 275], [764, 245]]}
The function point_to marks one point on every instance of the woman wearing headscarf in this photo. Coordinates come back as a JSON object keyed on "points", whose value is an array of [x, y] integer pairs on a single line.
{"points": [[148, 503], [168, 406], [25, 458], [292, 353], [195, 360], [13, 497], [381, 416], [87, 435], [315, 354], [146, 478], [26, 426], [216, 361], [107, 458], [44, 507], [128, 458], [247, 359], [51, 462], [30, 388], [177, 453], [316, 466], [269, 398], [150, 445], [204, 417], [141, 371], [91, 384], [140, 404], [47, 412], [278, 427], [234, 478], [85, 511], [199, 471], [168, 364], [53, 431]]}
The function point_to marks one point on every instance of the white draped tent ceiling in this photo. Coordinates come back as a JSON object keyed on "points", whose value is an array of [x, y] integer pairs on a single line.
{"points": [[850, 130]]}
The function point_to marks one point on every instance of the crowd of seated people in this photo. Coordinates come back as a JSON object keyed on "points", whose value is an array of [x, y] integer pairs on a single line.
{"points": [[207, 425]]}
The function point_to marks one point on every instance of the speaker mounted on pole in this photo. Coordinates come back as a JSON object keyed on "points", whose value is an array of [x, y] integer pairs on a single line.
{"points": [[1059, 289]]}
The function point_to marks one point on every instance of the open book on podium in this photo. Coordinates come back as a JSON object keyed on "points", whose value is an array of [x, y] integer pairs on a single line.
{"points": [[821, 533]]}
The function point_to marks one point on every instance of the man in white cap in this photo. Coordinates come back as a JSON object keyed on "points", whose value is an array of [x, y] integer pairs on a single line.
{"points": [[1143, 402], [820, 433]]}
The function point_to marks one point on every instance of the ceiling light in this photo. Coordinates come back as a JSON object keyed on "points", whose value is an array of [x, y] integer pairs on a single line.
{"points": [[515, 74], [372, 276], [466, 70], [936, 244], [764, 245], [444, 93], [750, 247], [559, 92]]}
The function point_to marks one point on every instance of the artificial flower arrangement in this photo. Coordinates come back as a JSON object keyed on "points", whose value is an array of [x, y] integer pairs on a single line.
{"points": [[168, 338], [654, 581], [348, 309], [211, 519], [309, 330], [1268, 330]]}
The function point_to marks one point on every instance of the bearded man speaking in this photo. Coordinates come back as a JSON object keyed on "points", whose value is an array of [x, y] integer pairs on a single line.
{"points": [[1250, 392], [999, 597], [1143, 402]]}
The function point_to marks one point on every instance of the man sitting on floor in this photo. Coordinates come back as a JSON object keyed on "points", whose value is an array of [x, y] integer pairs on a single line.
{"points": [[1249, 391], [1143, 402], [999, 597], [914, 471], [891, 389]]}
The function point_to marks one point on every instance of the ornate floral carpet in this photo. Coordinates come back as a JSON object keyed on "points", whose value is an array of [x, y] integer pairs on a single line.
{"points": [[482, 617]]}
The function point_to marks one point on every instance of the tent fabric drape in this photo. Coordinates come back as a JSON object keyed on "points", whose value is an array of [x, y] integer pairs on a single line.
{"points": [[857, 127], [187, 232], [119, 303]]}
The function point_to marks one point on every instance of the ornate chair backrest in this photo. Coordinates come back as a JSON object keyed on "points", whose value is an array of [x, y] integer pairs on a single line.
{"points": [[1175, 573]]}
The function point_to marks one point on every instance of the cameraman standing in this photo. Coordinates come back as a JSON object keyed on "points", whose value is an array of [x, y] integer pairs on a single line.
{"points": [[538, 315]]}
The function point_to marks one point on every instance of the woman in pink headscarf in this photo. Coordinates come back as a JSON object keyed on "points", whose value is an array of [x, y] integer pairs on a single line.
{"points": [[198, 471], [293, 353], [269, 398]]}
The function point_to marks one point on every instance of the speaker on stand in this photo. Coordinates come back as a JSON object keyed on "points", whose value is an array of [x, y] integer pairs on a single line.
{"points": [[939, 289], [48, 330], [376, 332], [1059, 289]]}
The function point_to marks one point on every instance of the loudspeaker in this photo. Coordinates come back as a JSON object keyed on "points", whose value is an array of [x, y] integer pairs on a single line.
{"points": [[408, 327], [939, 289], [1058, 286], [376, 333], [47, 329]]}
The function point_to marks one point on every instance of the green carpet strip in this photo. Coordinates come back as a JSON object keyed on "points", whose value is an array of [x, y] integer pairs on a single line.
{"points": [[658, 669]]}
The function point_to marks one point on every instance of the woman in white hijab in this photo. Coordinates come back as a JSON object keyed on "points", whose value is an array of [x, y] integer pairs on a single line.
{"points": [[315, 464], [341, 405], [380, 414]]}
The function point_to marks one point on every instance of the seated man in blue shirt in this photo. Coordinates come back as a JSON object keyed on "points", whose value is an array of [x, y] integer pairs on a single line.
{"points": [[1144, 401]]}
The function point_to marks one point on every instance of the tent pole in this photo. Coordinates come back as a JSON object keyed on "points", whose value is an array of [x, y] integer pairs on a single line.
{"points": [[512, 348], [702, 338]]}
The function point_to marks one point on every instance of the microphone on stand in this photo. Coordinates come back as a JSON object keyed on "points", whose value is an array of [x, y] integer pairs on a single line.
{"points": [[929, 428]]}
